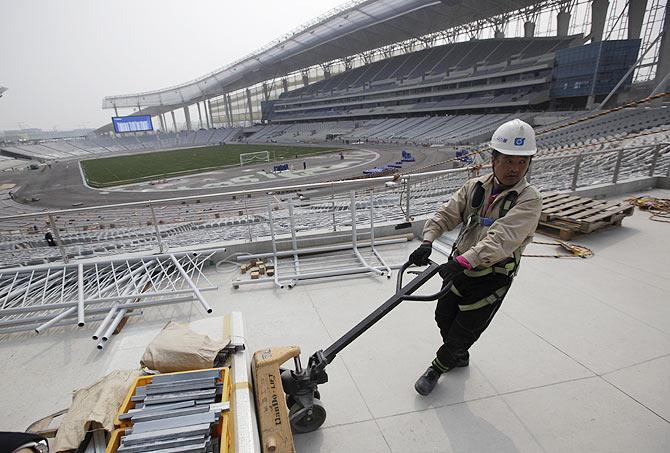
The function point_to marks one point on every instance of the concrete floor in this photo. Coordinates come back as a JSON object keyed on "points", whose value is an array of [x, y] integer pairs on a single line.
{"points": [[576, 360]]}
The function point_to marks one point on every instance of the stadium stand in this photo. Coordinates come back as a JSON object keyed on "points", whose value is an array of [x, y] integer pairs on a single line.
{"points": [[611, 126], [94, 145], [469, 75], [194, 223]]}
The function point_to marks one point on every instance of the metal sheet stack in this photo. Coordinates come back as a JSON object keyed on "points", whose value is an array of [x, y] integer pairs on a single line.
{"points": [[175, 413]]}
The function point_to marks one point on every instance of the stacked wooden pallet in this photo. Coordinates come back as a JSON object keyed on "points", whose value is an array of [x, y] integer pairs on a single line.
{"points": [[566, 215]]}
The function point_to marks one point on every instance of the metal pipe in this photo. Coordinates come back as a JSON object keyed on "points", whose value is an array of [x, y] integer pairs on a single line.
{"points": [[64, 322], [322, 249], [192, 285], [54, 320], [310, 275], [35, 319], [47, 307], [101, 328], [112, 325], [80, 301]]}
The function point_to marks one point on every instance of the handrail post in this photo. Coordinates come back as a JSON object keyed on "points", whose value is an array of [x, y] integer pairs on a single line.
{"points": [[654, 159], [332, 202], [158, 231], [54, 228], [407, 182], [617, 166], [246, 212], [575, 174]]}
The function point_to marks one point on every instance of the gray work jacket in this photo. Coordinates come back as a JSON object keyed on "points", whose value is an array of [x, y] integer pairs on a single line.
{"points": [[485, 246]]}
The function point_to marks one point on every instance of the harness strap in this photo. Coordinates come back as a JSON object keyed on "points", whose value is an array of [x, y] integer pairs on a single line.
{"points": [[506, 269], [489, 300]]}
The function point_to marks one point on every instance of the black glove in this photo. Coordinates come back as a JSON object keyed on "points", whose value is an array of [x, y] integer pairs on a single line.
{"points": [[419, 257], [450, 269]]}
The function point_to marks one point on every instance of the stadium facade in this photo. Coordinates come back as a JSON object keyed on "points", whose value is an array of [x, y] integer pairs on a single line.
{"points": [[382, 58]]}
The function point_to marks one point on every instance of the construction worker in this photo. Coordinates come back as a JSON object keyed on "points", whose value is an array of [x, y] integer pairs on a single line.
{"points": [[499, 213]]}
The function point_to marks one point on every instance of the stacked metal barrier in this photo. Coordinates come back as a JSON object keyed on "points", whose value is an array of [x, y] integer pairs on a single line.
{"points": [[40, 297]]}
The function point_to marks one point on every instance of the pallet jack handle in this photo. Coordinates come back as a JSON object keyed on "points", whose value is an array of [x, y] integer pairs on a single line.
{"points": [[402, 293], [301, 385], [427, 297]]}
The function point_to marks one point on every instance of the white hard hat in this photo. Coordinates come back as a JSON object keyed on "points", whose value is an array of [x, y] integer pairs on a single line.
{"points": [[514, 138]]}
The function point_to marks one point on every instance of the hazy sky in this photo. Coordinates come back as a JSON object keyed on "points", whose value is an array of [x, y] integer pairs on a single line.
{"points": [[59, 58]]}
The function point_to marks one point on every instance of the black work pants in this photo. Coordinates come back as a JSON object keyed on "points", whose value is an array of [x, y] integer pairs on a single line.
{"points": [[461, 327]]}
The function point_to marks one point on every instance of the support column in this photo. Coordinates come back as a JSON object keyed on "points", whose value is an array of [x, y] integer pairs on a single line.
{"points": [[174, 121], [284, 83], [116, 112], [326, 73], [209, 108], [187, 115], [251, 111], [499, 34], [528, 29], [636, 11], [305, 79], [160, 118], [591, 99], [197, 104], [204, 106], [228, 111], [266, 93], [598, 18], [562, 23], [663, 54]]}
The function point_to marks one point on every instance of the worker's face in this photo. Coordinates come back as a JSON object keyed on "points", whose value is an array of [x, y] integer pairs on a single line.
{"points": [[510, 169]]}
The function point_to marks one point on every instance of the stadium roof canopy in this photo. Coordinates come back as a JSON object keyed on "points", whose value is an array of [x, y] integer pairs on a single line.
{"points": [[352, 28]]}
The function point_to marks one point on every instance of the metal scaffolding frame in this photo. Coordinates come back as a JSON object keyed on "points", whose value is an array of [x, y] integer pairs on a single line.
{"points": [[40, 297], [320, 266]]}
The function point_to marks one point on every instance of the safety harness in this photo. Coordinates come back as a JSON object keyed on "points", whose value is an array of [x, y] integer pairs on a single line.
{"points": [[509, 266]]}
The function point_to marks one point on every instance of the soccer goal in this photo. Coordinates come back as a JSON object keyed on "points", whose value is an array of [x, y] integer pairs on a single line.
{"points": [[252, 158]]}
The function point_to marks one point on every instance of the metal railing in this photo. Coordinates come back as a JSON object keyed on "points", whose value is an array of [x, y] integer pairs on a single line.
{"points": [[198, 221]]}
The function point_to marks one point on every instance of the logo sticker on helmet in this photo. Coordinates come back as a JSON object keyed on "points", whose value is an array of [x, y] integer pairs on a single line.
{"points": [[519, 141]]}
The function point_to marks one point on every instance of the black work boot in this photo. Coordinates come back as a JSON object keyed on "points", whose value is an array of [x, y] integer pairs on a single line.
{"points": [[427, 382]]}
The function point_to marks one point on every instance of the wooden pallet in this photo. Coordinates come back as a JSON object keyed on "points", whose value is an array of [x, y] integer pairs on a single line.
{"points": [[566, 215]]}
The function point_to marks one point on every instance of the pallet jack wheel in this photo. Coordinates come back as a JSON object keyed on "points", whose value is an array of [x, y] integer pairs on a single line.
{"points": [[307, 420], [290, 401]]}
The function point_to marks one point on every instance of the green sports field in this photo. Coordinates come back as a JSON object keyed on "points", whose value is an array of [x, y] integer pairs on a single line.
{"points": [[114, 171]]}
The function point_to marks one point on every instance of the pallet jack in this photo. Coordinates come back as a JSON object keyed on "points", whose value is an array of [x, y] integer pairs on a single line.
{"points": [[288, 401]]}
